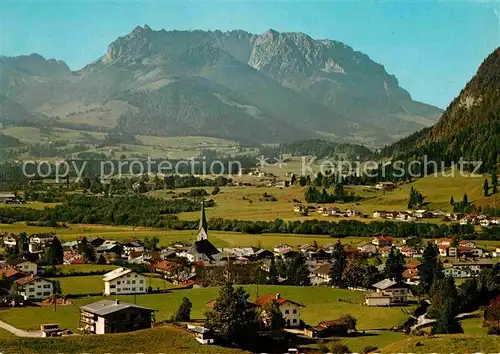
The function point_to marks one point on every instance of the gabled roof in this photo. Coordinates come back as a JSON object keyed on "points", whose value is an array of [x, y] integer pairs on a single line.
{"points": [[117, 273], [204, 247], [412, 264], [268, 297], [105, 307], [324, 269], [10, 272], [29, 279], [388, 283]]}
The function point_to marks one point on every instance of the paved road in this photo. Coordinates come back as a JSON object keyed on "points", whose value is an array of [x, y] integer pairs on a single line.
{"points": [[19, 332]]}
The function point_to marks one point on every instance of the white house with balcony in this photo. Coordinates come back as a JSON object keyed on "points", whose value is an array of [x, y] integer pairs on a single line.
{"points": [[389, 292], [34, 288], [124, 281], [289, 309]]}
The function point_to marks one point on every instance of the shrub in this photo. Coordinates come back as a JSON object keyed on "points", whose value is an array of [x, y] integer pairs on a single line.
{"points": [[369, 349]]}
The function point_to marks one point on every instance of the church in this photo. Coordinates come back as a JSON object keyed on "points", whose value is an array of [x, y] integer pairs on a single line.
{"points": [[202, 250]]}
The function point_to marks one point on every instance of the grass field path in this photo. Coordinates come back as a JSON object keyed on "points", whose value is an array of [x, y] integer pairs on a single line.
{"points": [[19, 332]]}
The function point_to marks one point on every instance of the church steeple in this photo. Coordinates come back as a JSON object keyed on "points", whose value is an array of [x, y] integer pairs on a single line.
{"points": [[203, 228]]}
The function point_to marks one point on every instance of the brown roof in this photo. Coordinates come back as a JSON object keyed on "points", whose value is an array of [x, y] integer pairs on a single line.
{"points": [[268, 297], [27, 280], [9, 272], [412, 264]]}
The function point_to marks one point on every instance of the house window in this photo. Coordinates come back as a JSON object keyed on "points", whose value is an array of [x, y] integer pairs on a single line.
{"points": [[47, 293], [142, 289], [32, 296], [294, 311], [141, 281], [287, 312], [133, 281], [128, 281], [118, 289], [113, 286], [46, 286], [38, 294], [294, 321], [118, 282]]}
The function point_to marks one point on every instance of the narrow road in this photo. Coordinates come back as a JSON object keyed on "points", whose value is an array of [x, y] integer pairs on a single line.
{"points": [[20, 332]]}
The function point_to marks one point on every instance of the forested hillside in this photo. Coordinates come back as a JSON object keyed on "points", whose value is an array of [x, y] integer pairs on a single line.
{"points": [[469, 128]]}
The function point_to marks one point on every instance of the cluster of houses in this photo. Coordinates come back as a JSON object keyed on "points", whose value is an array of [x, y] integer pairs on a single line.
{"points": [[326, 211], [24, 273], [478, 219]]}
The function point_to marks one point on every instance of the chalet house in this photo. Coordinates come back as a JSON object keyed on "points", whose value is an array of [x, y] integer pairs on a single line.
{"points": [[382, 214], [448, 251], [321, 275], [146, 257], [113, 316], [70, 245], [263, 254], [367, 248], [34, 288], [497, 252], [132, 246], [384, 251], [445, 241], [94, 241], [466, 243], [289, 309], [201, 334], [465, 268], [404, 216], [10, 240], [411, 275], [73, 257], [389, 292], [124, 281], [39, 242], [408, 251], [24, 266], [421, 214], [382, 241], [351, 213], [282, 248], [327, 329], [385, 186], [8, 198]]}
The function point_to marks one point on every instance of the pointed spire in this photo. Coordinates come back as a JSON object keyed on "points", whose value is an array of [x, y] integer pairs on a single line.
{"points": [[203, 228]]}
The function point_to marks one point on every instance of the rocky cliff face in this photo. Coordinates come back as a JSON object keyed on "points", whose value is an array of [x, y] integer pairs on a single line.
{"points": [[307, 87]]}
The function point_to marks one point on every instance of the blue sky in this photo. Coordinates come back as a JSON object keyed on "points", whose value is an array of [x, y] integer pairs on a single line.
{"points": [[433, 48]]}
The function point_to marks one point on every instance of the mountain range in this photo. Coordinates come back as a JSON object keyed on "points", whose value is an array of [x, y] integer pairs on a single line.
{"points": [[268, 88]]}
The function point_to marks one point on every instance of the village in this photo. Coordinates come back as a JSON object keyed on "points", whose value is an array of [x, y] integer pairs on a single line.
{"points": [[140, 267]]}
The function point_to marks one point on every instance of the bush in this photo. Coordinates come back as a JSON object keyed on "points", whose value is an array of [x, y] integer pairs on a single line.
{"points": [[339, 348], [369, 349]]}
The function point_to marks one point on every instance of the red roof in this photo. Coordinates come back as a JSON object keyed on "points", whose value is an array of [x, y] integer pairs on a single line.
{"points": [[268, 297], [412, 264], [444, 247], [464, 249], [384, 238], [167, 266], [9, 272], [444, 239], [410, 273]]}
